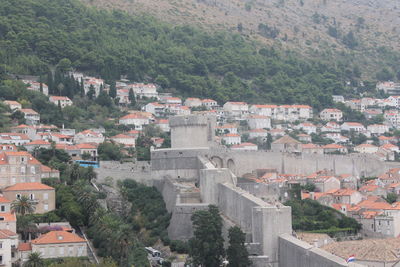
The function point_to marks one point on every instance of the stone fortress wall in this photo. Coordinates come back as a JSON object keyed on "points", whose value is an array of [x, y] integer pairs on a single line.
{"points": [[191, 178]]}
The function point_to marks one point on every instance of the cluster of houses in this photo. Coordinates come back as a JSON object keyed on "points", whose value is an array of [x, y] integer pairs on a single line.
{"points": [[363, 201], [21, 175]]}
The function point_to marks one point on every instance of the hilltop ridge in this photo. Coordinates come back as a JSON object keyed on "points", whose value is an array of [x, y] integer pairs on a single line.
{"points": [[363, 31]]}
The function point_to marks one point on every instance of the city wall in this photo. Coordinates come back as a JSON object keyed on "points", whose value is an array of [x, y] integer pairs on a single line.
{"points": [[296, 253]]}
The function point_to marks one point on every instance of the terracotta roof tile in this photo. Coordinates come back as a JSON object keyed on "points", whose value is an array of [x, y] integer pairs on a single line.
{"points": [[27, 187], [57, 237]]}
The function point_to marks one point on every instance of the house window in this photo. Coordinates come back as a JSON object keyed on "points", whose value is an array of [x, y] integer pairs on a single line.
{"points": [[1, 259], [80, 251], [46, 196], [13, 181], [33, 170], [32, 196], [52, 251], [46, 207], [42, 252], [1, 244], [70, 251], [61, 251], [3, 208], [18, 196]]}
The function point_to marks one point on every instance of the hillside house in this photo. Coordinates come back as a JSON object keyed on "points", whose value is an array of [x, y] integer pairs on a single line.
{"points": [[14, 105], [37, 87], [307, 127], [231, 139], [193, 102], [334, 148], [62, 101], [352, 126], [331, 114], [258, 122], [331, 127], [17, 139], [311, 149], [8, 241], [286, 144], [163, 124], [377, 129], [36, 144], [209, 103], [89, 136], [43, 196], [31, 116], [264, 110], [258, 133], [366, 148], [236, 109], [326, 183], [142, 90], [59, 244], [125, 140]]}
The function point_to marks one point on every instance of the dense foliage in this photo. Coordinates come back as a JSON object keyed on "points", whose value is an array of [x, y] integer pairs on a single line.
{"points": [[148, 211], [237, 253], [207, 244], [309, 215], [36, 35]]}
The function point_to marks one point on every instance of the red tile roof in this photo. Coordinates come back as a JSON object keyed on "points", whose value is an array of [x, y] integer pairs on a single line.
{"points": [[27, 187], [5, 234], [57, 237], [24, 247]]}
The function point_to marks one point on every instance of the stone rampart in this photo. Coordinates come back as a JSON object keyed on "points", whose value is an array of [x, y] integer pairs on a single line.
{"points": [[180, 227], [241, 162], [264, 222], [296, 253]]}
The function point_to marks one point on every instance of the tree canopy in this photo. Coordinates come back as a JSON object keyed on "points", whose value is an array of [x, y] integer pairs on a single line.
{"points": [[38, 34]]}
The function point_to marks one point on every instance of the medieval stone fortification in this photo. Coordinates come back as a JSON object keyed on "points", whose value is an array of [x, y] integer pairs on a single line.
{"points": [[193, 174]]}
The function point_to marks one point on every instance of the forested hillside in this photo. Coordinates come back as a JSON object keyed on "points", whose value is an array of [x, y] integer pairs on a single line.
{"points": [[36, 34], [363, 32]]}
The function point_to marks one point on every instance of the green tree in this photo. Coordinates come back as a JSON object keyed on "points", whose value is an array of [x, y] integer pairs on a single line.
{"points": [[237, 254], [86, 156], [109, 151], [391, 198], [207, 246], [64, 65], [384, 74], [23, 205], [25, 226], [269, 141], [34, 260], [113, 90], [91, 93], [132, 98]]}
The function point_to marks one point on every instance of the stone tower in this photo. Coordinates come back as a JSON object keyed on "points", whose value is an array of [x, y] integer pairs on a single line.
{"points": [[192, 131]]}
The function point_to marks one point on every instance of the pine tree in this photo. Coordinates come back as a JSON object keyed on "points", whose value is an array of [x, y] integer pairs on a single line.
{"points": [[207, 245], [113, 90], [82, 88], [91, 93], [237, 253], [132, 97], [269, 141], [50, 82]]}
